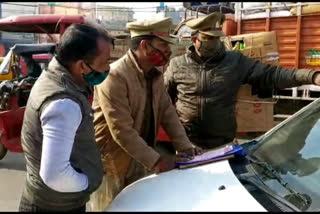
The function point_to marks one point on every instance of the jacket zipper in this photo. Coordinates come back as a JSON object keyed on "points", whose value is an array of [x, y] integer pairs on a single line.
{"points": [[202, 83]]}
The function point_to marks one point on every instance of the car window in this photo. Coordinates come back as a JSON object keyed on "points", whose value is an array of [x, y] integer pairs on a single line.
{"points": [[294, 151]]}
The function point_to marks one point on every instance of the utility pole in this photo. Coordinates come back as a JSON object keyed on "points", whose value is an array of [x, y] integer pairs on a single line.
{"points": [[96, 9], [38, 35]]}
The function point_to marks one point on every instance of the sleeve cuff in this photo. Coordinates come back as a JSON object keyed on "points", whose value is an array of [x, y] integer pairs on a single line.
{"points": [[311, 77]]}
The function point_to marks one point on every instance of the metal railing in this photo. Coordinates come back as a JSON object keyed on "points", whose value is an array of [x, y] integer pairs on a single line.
{"points": [[239, 8]]}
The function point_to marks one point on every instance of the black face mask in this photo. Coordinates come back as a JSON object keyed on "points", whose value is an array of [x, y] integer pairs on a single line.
{"points": [[209, 48], [95, 77]]}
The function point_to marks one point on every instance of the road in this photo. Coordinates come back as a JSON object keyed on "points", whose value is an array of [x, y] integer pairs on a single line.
{"points": [[12, 178]]}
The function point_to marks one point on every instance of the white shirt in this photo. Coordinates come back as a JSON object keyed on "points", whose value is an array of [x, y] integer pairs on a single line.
{"points": [[60, 121]]}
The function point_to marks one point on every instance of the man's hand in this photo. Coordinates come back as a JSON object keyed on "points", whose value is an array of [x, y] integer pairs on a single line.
{"points": [[167, 163], [235, 141], [188, 154], [316, 78], [183, 157], [195, 150]]}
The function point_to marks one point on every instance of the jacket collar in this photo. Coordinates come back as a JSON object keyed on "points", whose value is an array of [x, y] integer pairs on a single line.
{"points": [[58, 72], [133, 60]]}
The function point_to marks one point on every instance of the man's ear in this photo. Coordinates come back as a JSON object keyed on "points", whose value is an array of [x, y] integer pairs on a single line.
{"points": [[81, 66], [143, 46], [194, 39]]}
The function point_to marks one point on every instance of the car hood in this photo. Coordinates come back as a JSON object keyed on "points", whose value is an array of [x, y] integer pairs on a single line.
{"points": [[193, 189]]}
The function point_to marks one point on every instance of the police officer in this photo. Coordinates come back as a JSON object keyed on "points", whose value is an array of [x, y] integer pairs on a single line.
{"points": [[204, 82], [129, 108]]}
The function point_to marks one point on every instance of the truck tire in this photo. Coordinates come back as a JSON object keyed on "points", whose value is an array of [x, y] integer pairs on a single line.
{"points": [[3, 151]]}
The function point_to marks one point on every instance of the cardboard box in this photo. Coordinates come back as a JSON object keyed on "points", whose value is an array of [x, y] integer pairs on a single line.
{"points": [[259, 46], [265, 54], [257, 39], [244, 91], [252, 113]]}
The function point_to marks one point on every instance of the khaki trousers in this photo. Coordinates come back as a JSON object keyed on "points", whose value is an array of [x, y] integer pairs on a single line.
{"points": [[111, 187], [102, 197]]}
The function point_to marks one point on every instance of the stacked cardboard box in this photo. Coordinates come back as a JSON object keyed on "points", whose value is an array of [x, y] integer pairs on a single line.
{"points": [[259, 46], [253, 114]]}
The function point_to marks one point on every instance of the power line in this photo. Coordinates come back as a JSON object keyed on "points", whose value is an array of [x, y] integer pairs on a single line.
{"points": [[102, 9], [25, 11], [101, 6], [140, 7]]}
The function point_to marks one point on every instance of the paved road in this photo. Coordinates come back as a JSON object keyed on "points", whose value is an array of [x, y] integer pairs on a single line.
{"points": [[12, 178]]}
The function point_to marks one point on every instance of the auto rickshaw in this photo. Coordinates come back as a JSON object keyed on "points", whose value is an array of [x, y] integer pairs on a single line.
{"points": [[16, 82]]}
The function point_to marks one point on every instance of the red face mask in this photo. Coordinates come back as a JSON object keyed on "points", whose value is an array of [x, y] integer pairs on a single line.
{"points": [[158, 57]]}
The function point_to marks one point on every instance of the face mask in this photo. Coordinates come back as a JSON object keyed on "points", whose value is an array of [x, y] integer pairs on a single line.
{"points": [[95, 77], [209, 48], [159, 58]]}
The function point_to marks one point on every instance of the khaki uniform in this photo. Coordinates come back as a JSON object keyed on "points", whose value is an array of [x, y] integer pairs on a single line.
{"points": [[119, 105]]}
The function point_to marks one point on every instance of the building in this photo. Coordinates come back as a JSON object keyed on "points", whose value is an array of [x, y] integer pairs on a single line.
{"points": [[114, 18], [64, 8], [165, 11], [68, 8]]}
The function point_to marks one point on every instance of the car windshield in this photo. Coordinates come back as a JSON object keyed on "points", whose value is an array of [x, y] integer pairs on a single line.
{"points": [[293, 150]]}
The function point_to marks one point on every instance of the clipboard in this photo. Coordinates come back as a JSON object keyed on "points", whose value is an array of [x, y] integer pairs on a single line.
{"points": [[227, 152]]}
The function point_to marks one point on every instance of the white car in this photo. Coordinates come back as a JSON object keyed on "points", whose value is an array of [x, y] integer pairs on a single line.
{"points": [[279, 173]]}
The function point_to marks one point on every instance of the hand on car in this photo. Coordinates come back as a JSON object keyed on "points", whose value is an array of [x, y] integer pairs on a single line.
{"points": [[167, 163], [188, 154], [235, 141], [195, 150]]}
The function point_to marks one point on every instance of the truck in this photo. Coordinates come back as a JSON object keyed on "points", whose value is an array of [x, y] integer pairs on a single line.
{"points": [[297, 29]]}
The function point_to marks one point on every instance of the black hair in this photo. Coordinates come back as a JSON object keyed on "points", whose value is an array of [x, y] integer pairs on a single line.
{"points": [[195, 33], [79, 42], [135, 41]]}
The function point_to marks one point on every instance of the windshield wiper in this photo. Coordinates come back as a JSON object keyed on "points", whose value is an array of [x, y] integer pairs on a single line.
{"points": [[283, 183], [251, 179]]}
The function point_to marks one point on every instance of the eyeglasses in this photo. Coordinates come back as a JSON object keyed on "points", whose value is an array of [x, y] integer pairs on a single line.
{"points": [[89, 66]]}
